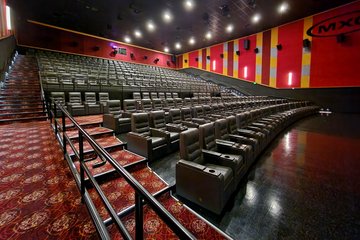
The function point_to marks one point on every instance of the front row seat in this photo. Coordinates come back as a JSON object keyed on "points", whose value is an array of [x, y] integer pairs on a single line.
{"points": [[145, 141], [113, 117], [198, 178]]}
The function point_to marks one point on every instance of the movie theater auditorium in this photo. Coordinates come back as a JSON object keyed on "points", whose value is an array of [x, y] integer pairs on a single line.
{"points": [[187, 119]]}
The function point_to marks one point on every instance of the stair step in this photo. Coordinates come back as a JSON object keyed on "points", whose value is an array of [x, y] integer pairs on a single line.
{"points": [[21, 113], [17, 104], [18, 100], [15, 110], [25, 119]]}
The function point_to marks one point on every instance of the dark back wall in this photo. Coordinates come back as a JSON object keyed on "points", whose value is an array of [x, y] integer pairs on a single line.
{"points": [[7, 47], [345, 99]]}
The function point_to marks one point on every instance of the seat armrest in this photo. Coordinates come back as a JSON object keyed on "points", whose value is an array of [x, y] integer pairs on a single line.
{"points": [[139, 144], [126, 114], [244, 140], [230, 147], [190, 124], [199, 120], [109, 121], [175, 128], [159, 133]]}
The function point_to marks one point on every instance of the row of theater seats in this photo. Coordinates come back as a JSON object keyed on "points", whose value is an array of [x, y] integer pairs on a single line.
{"points": [[75, 73], [76, 106], [216, 156], [216, 148]]}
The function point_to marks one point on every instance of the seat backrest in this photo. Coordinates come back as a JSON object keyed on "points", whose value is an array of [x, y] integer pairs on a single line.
{"points": [[207, 136], [231, 121], [175, 95], [114, 107], [187, 102], [136, 95], [153, 95], [207, 110], [186, 114], [221, 129], [198, 112], [57, 97], [104, 97], [145, 95], [90, 97], [140, 123], [175, 116], [158, 119], [75, 98], [190, 147], [130, 105], [170, 103], [161, 95], [168, 95], [178, 102], [157, 104], [146, 104]]}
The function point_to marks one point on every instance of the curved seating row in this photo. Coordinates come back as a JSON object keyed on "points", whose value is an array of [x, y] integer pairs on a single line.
{"points": [[216, 156]]}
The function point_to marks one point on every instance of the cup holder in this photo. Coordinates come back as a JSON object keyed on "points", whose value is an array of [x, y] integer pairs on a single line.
{"points": [[211, 170], [226, 156]]}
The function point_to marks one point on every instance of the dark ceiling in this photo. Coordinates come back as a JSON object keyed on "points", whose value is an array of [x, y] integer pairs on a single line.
{"points": [[114, 19]]}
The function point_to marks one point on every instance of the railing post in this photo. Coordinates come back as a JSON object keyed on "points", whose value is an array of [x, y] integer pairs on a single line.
{"points": [[139, 219], [81, 160], [55, 122], [64, 130]]}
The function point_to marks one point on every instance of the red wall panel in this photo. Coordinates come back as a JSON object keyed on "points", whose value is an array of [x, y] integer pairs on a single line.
{"points": [[290, 57], [335, 64], [266, 57], [192, 59], [215, 52], [61, 40], [203, 52], [231, 58], [247, 59]]}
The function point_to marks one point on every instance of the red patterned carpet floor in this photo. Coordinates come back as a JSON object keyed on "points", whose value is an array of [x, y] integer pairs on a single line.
{"points": [[38, 196]]}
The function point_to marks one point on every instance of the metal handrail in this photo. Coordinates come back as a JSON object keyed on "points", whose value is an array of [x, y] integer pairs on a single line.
{"points": [[141, 194]]}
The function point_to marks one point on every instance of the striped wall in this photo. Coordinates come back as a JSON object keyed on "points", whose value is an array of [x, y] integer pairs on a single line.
{"points": [[3, 29], [326, 63]]}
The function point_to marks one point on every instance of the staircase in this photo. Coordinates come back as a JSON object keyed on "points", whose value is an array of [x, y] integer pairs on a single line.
{"points": [[20, 94]]}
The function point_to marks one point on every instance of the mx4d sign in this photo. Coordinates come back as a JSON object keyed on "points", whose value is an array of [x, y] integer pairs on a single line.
{"points": [[341, 24]]}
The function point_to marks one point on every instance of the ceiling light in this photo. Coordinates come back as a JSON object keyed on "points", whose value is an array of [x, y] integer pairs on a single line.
{"points": [[167, 16], [189, 4], [283, 7], [137, 34], [192, 41], [256, 18], [150, 26], [127, 39], [229, 28], [177, 45], [208, 35], [166, 49]]}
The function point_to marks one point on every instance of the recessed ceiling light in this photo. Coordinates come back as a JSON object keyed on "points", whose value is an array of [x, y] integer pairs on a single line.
{"points": [[150, 26], [229, 28], [127, 39], [167, 16], [137, 34], [208, 35], [189, 4], [177, 45], [283, 7], [192, 41], [256, 18], [166, 49]]}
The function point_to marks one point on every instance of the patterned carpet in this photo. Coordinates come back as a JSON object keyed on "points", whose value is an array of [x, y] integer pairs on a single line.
{"points": [[38, 196]]}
